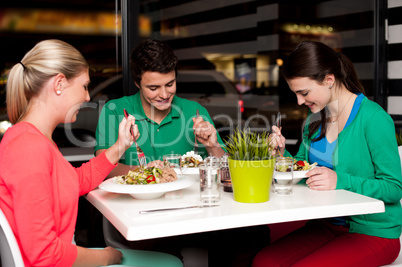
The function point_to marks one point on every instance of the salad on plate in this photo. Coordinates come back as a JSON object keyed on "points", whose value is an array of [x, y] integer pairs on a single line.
{"points": [[300, 168], [191, 160], [302, 165], [148, 175]]}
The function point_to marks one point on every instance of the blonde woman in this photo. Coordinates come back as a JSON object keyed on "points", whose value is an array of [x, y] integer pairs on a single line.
{"points": [[39, 189]]}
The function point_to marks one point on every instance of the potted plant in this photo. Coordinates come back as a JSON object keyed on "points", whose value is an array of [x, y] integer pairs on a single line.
{"points": [[251, 165], [399, 138], [399, 142]]}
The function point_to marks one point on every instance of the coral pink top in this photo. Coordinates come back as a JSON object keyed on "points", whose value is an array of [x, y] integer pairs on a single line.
{"points": [[39, 192]]}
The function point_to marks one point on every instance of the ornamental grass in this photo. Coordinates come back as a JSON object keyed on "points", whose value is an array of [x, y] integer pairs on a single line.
{"points": [[246, 145], [399, 138]]}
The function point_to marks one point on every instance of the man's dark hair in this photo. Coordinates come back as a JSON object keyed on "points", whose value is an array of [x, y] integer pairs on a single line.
{"points": [[154, 56]]}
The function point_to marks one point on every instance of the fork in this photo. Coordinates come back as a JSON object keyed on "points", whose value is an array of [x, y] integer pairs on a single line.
{"points": [[140, 153], [279, 125], [195, 149]]}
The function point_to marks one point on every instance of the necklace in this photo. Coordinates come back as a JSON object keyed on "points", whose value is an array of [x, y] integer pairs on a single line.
{"points": [[336, 120]]}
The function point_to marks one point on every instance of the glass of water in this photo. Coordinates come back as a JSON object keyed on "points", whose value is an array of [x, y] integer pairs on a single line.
{"points": [[283, 176], [172, 160], [209, 181]]}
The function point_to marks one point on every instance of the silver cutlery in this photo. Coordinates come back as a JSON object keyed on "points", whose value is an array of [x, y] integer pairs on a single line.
{"points": [[279, 120], [195, 149], [141, 156], [178, 208], [279, 125]]}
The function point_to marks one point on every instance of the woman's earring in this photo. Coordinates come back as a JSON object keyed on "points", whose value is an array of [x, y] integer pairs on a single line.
{"points": [[330, 87], [58, 92]]}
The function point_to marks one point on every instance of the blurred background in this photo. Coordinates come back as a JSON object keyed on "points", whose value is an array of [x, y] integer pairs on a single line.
{"points": [[230, 52]]}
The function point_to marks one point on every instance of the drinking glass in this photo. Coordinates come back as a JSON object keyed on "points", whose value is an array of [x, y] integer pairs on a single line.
{"points": [[209, 181], [172, 160], [283, 176]]}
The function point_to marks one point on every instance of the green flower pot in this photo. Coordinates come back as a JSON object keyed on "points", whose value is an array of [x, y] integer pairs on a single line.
{"points": [[251, 180]]}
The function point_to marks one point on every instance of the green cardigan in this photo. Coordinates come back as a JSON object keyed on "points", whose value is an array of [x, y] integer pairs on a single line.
{"points": [[366, 161]]}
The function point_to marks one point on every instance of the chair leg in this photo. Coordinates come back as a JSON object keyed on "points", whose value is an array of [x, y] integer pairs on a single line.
{"points": [[112, 236]]}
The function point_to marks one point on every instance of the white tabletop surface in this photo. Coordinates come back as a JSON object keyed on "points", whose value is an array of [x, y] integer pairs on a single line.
{"points": [[123, 211], [73, 154]]}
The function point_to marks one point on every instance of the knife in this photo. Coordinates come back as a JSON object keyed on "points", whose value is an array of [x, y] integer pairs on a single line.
{"points": [[178, 208], [195, 149]]}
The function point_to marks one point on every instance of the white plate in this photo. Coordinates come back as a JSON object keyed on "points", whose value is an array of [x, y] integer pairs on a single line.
{"points": [[188, 171], [298, 175], [148, 191]]}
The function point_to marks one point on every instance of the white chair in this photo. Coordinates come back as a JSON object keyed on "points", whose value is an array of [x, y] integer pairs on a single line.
{"points": [[9, 250], [10, 253]]}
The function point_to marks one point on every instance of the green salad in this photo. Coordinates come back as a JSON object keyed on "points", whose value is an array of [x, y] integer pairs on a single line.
{"points": [[146, 175]]}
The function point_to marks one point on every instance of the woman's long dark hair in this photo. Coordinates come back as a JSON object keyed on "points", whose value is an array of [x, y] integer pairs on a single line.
{"points": [[315, 60]]}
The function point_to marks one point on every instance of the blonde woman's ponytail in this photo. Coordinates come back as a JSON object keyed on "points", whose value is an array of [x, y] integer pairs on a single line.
{"points": [[17, 102], [27, 78]]}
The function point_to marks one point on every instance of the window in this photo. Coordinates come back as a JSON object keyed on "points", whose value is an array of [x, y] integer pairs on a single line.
{"points": [[247, 41], [93, 27]]}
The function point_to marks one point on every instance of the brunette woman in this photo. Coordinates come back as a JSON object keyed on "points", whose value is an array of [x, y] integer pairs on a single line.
{"points": [[353, 141]]}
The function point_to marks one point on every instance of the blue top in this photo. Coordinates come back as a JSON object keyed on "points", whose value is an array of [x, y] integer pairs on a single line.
{"points": [[321, 151]]}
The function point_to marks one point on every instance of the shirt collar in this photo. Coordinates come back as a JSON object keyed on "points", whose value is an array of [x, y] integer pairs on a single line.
{"points": [[175, 111], [137, 106]]}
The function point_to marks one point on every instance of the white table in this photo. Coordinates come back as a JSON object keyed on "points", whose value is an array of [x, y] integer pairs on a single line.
{"points": [[123, 211], [73, 154]]}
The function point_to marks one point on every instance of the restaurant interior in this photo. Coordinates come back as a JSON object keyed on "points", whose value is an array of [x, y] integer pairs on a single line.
{"points": [[235, 49], [230, 54]]}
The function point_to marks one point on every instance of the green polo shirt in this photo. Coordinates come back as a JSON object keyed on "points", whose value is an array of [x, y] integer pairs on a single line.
{"points": [[173, 135]]}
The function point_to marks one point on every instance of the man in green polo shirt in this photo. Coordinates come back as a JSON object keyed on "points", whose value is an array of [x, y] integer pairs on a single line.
{"points": [[166, 122]]}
